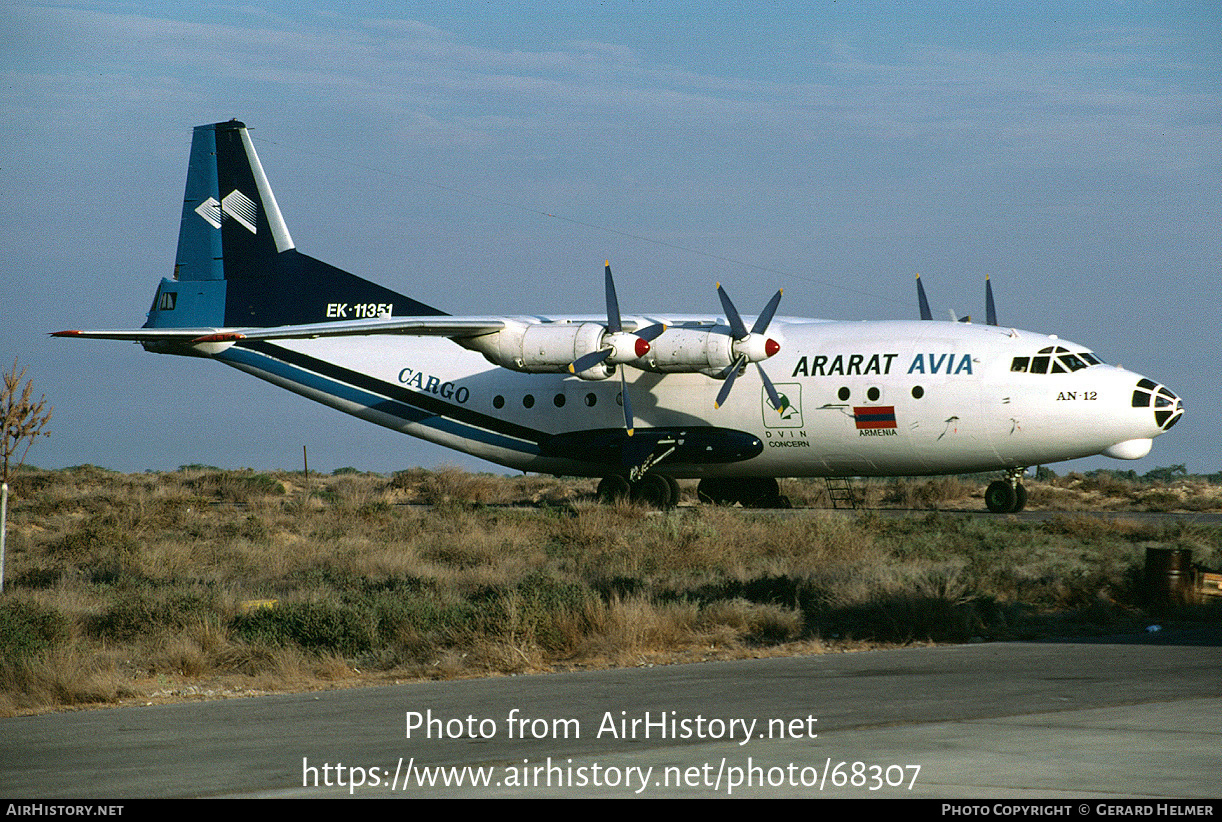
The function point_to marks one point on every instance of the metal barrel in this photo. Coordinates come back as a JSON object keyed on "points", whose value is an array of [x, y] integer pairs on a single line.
{"points": [[1168, 577]]}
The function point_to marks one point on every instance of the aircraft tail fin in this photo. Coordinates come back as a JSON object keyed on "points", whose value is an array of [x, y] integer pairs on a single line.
{"points": [[237, 265]]}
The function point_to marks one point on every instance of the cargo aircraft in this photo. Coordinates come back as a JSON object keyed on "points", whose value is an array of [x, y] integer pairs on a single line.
{"points": [[637, 400]]}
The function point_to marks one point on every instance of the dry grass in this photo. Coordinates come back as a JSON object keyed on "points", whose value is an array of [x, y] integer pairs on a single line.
{"points": [[129, 587]]}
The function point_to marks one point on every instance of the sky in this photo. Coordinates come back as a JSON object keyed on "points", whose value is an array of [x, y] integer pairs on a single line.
{"points": [[486, 158]]}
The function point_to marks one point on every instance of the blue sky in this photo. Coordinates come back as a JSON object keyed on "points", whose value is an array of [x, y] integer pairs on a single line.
{"points": [[1071, 151]]}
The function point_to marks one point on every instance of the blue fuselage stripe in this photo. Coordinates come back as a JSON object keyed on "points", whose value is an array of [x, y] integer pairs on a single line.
{"points": [[266, 364]]}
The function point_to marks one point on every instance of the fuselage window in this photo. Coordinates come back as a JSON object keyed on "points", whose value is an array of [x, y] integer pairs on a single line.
{"points": [[844, 394], [559, 400], [873, 394], [591, 398], [498, 401], [529, 401], [917, 392]]}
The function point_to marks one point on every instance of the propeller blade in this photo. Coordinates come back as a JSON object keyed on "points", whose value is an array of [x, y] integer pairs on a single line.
{"points": [[729, 376], [773, 396], [926, 314], [761, 322], [651, 332], [590, 360], [990, 310], [613, 319], [623, 392], [737, 329]]}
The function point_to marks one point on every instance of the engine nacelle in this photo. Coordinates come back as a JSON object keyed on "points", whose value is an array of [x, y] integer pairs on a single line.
{"points": [[688, 350], [543, 348]]}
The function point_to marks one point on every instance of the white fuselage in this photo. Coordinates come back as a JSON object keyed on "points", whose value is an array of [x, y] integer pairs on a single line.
{"points": [[861, 399]]}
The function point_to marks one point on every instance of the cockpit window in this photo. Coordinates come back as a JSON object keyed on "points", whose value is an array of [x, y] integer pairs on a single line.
{"points": [[1055, 360], [1072, 361]]}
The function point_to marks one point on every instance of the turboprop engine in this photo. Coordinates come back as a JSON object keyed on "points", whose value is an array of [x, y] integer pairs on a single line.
{"points": [[551, 348]]}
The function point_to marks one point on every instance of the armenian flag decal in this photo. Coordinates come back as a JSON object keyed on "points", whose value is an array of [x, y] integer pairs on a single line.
{"points": [[871, 418]]}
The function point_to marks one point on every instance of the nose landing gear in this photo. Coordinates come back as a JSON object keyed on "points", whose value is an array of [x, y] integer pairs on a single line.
{"points": [[1007, 496]]}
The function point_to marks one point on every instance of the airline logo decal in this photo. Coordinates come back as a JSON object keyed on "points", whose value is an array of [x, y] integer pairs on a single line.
{"points": [[790, 415], [236, 206]]}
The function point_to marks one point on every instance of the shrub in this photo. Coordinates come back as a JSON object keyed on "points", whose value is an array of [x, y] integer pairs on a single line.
{"points": [[314, 626], [139, 613], [28, 628]]}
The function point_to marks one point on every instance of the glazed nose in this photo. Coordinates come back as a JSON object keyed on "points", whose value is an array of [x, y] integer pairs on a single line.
{"points": [[1168, 408]]}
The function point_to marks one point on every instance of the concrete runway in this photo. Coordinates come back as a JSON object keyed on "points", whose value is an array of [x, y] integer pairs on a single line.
{"points": [[1137, 716]]}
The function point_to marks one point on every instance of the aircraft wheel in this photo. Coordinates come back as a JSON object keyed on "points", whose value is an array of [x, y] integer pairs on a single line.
{"points": [[675, 493], [613, 489], [714, 492], [760, 493], [653, 490], [1020, 498], [1000, 497]]}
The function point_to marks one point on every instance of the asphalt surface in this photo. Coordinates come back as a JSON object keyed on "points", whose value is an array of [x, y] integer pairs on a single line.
{"points": [[1132, 716]]}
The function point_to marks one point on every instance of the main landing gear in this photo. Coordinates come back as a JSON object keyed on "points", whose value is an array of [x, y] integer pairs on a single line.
{"points": [[762, 492], [1007, 496], [655, 490], [662, 491]]}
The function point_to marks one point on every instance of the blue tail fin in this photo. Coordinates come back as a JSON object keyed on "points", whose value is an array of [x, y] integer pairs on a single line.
{"points": [[237, 265]]}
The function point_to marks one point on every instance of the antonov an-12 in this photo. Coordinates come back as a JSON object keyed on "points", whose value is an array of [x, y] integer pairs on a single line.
{"points": [[636, 400]]}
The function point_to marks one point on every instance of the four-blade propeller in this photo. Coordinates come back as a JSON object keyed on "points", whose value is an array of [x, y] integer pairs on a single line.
{"points": [[749, 346], [618, 347]]}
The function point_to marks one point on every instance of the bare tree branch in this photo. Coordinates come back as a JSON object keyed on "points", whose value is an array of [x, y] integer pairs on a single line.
{"points": [[22, 420]]}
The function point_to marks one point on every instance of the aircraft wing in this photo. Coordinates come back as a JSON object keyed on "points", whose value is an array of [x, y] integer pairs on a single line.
{"points": [[443, 326], [428, 326]]}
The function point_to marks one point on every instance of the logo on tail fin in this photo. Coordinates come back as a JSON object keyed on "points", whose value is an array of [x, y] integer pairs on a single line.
{"points": [[236, 205]]}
